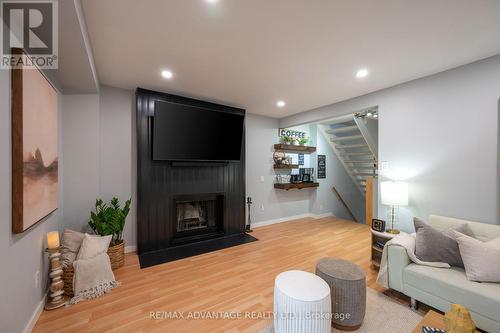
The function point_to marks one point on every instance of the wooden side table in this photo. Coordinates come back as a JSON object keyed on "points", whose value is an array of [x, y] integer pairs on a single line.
{"points": [[378, 241]]}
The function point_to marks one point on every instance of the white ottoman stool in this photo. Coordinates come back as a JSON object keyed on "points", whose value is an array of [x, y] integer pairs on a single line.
{"points": [[301, 303]]}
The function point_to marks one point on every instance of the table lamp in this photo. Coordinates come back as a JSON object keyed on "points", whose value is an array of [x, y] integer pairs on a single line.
{"points": [[394, 194]]}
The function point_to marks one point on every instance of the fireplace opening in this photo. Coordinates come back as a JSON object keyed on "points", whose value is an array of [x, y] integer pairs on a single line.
{"points": [[198, 217]]}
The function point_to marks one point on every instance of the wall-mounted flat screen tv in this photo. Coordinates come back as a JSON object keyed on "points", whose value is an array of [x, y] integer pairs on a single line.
{"points": [[188, 133]]}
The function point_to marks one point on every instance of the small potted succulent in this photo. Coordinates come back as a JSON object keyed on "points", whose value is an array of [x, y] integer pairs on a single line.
{"points": [[303, 141], [109, 219], [287, 140]]}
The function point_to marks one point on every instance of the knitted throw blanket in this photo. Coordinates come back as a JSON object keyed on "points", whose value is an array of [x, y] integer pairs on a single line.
{"points": [[93, 278]]}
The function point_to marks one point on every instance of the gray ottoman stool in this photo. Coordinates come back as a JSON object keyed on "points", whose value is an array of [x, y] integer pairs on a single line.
{"points": [[347, 283]]}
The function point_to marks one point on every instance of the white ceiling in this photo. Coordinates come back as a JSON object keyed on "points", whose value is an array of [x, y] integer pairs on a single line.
{"points": [[251, 53]]}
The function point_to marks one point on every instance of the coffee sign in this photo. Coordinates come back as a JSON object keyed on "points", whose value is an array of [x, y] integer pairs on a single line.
{"points": [[291, 133]]}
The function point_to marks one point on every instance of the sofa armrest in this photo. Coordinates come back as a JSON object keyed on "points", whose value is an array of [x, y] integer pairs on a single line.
{"points": [[397, 260]]}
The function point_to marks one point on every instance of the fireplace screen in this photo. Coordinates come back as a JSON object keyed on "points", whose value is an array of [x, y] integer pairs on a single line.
{"points": [[196, 215]]}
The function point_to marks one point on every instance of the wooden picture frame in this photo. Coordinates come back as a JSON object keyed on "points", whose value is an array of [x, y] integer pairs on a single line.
{"points": [[35, 153]]}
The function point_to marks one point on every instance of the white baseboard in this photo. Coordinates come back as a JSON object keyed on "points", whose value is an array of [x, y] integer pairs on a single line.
{"points": [[131, 248], [290, 218], [36, 314], [279, 220], [320, 216]]}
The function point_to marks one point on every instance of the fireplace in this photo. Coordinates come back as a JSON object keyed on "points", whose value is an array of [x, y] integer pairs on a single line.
{"points": [[197, 217], [185, 208]]}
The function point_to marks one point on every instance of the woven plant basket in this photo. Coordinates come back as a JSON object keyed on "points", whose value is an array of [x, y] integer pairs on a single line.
{"points": [[116, 255], [67, 278]]}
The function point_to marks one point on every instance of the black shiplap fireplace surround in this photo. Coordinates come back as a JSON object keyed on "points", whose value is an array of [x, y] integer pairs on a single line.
{"points": [[185, 208]]}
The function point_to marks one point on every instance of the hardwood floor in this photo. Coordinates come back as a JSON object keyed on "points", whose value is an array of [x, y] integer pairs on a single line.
{"points": [[238, 280]]}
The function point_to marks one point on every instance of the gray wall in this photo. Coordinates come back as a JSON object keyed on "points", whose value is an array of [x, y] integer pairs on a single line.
{"points": [[438, 133], [21, 255], [99, 150], [261, 135], [80, 129], [117, 152]]}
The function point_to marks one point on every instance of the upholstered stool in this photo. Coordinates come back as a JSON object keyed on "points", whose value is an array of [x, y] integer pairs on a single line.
{"points": [[301, 303], [347, 283]]}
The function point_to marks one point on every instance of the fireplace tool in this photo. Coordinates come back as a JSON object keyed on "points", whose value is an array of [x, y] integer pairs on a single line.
{"points": [[247, 227]]}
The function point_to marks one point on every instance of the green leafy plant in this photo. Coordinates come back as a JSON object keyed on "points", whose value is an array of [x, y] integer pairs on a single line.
{"points": [[109, 219], [303, 141], [287, 140]]}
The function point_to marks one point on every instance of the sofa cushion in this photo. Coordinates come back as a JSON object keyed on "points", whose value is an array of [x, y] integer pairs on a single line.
{"points": [[481, 259], [453, 286], [434, 245]]}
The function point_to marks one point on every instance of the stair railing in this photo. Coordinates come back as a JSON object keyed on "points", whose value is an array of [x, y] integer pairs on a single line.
{"points": [[344, 203]]}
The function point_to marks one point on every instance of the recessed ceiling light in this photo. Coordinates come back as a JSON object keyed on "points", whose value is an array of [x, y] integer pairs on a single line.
{"points": [[281, 104], [167, 74], [362, 73], [212, 1], [375, 115], [369, 114]]}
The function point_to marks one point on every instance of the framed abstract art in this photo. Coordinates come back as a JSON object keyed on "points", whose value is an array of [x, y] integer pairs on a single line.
{"points": [[35, 153]]}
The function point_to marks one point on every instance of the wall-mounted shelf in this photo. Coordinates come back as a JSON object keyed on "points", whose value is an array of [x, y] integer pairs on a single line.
{"points": [[299, 186], [294, 149], [285, 166]]}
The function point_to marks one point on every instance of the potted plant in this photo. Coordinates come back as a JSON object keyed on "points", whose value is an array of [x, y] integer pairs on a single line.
{"points": [[287, 140], [109, 219], [295, 141], [303, 141]]}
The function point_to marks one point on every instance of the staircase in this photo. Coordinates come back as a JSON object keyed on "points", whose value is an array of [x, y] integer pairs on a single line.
{"points": [[353, 145]]}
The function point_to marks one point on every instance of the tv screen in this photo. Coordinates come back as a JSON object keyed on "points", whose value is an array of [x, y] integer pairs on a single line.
{"points": [[188, 133]]}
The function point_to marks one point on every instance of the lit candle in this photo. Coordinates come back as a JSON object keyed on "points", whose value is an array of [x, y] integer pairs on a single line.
{"points": [[53, 239]]}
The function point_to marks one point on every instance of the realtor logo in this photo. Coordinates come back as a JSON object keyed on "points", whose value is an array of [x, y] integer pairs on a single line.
{"points": [[31, 26]]}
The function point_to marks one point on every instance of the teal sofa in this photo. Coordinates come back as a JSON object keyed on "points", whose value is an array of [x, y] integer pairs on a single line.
{"points": [[440, 287]]}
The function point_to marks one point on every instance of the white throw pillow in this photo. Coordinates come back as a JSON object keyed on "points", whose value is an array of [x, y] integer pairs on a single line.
{"points": [[70, 245], [92, 246], [481, 259]]}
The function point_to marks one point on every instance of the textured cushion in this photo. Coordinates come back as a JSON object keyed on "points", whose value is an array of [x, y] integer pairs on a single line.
{"points": [[70, 245], [452, 285], [481, 259], [433, 245], [92, 246]]}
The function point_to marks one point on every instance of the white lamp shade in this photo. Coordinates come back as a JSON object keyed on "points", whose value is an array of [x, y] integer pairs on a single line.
{"points": [[394, 193]]}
